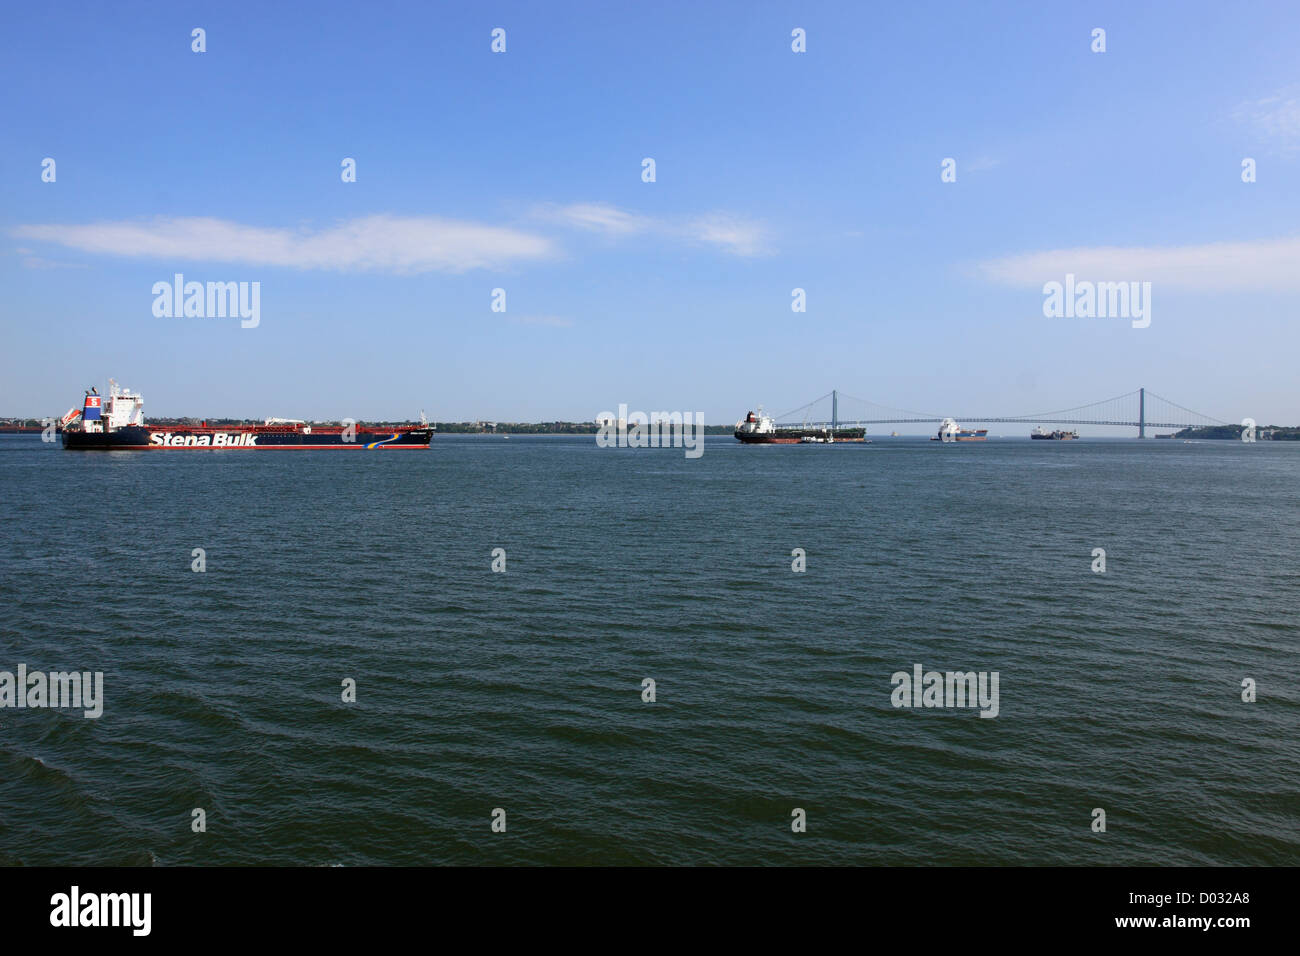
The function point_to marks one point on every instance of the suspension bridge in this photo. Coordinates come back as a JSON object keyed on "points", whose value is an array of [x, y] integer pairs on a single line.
{"points": [[1138, 409]]}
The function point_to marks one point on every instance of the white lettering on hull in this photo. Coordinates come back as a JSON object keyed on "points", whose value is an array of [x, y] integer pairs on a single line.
{"points": [[216, 440]]}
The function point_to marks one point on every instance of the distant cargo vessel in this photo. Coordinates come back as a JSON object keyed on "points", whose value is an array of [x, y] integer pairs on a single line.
{"points": [[115, 422], [1040, 434], [758, 429], [951, 431]]}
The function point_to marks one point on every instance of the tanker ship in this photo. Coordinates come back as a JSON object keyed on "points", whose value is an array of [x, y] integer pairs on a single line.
{"points": [[758, 429], [115, 422]]}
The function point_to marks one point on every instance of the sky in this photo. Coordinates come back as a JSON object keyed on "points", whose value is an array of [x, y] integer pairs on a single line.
{"points": [[522, 170]]}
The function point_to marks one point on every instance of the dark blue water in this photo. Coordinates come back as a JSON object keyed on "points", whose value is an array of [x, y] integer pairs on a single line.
{"points": [[522, 690]]}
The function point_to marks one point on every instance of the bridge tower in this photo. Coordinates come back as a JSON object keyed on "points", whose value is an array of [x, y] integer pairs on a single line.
{"points": [[1142, 413], [835, 410]]}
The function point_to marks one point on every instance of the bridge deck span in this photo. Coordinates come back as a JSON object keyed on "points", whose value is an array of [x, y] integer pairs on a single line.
{"points": [[1138, 409]]}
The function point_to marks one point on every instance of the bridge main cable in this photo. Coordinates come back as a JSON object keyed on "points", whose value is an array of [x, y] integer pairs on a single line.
{"points": [[918, 416], [1208, 418], [777, 418]]}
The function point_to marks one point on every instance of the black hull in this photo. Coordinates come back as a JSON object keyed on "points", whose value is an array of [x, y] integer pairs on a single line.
{"points": [[792, 436]]}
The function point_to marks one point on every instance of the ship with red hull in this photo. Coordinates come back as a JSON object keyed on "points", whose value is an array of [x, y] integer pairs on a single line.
{"points": [[950, 431], [115, 422]]}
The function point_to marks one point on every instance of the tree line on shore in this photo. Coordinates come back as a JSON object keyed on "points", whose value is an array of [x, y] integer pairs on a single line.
{"points": [[1208, 432], [1233, 432]]}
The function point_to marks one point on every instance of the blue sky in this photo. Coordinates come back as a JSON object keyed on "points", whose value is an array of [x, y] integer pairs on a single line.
{"points": [[522, 171]]}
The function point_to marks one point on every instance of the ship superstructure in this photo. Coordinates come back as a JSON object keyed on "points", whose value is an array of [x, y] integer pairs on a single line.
{"points": [[950, 431], [1041, 434]]}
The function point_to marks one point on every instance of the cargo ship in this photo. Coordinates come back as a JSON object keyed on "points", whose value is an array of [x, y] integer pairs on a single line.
{"points": [[1040, 434], [950, 431], [759, 429], [115, 422]]}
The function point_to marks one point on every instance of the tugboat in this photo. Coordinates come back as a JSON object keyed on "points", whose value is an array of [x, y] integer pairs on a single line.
{"points": [[950, 431], [759, 429], [115, 422], [1041, 434]]}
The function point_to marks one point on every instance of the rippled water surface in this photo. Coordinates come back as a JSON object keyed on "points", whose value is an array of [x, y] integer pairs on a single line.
{"points": [[522, 690]]}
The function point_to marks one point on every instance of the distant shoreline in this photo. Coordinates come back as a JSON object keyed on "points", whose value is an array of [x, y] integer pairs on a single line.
{"points": [[19, 426]]}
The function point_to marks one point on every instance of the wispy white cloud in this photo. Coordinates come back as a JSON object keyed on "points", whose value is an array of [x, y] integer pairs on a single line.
{"points": [[1272, 264], [30, 260], [374, 243], [732, 234], [383, 243], [1275, 118], [738, 236], [552, 321], [597, 217], [38, 262], [980, 164]]}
